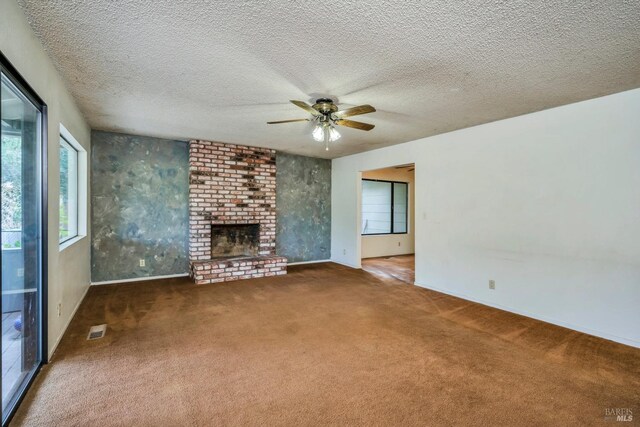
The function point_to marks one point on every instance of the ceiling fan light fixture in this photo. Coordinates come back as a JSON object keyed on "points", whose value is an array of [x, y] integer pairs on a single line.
{"points": [[324, 132], [334, 135], [318, 133]]}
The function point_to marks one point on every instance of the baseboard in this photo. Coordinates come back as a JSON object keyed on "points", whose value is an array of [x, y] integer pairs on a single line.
{"points": [[73, 313], [357, 267], [387, 256], [308, 262], [587, 331], [138, 279]]}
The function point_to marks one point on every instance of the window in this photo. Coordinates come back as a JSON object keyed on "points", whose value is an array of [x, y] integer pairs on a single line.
{"points": [[68, 191], [384, 207], [73, 196]]}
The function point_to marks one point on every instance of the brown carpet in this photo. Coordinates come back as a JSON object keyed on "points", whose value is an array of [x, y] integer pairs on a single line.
{"points": [[323, 345]]}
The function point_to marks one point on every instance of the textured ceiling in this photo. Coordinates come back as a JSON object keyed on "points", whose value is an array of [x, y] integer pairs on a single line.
{"points": [[220, 69]]}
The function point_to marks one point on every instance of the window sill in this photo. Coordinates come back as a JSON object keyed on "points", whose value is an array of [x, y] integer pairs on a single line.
{"points": [[384, 234], [70, 242]]}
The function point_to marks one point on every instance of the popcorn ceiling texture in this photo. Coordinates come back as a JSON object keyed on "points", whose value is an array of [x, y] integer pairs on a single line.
{"points": [[220, 70]]}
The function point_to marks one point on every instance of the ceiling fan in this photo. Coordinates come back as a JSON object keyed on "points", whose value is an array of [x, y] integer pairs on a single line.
{"points": [[325, 114]]}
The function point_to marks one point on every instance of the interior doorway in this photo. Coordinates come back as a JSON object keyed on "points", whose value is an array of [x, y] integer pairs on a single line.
{"points": [[388, 222]]}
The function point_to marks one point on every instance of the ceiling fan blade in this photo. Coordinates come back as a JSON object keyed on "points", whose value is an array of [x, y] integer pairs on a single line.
{"points": [[355, 125], [287, 121], [362, 109], [306, 107]]}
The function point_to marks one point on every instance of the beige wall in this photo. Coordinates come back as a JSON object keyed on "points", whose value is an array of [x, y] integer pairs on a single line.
{"points": [[69, 270], [391, 244]]}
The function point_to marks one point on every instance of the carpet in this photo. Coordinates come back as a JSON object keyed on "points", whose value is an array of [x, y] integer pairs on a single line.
{"points": [[324, 345]]}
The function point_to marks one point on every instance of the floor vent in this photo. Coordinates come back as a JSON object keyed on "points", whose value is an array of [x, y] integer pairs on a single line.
{"points": [[97, 332]]}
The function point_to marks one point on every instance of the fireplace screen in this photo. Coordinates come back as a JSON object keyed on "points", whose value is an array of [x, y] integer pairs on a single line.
{"points": [[232, 240]]}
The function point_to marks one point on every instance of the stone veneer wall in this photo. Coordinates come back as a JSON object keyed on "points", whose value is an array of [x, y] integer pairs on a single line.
{"points": [[139, 188], [231, 184], [303, 208]]}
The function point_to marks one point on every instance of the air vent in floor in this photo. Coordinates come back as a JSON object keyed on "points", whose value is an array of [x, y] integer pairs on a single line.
{"points": [[96, 332]]}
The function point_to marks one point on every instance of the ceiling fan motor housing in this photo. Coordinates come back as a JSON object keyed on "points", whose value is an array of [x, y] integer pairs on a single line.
{"points": [[325, 106]]}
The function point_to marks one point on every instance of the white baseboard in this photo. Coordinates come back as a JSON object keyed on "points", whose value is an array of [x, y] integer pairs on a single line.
{"points": [[309, 262], [73, 313], [587, 331], [357, 267], [139, 279], [388, 255]]}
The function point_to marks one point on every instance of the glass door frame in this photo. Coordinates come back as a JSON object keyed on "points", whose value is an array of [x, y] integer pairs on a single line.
{"points": [[19, 82]]}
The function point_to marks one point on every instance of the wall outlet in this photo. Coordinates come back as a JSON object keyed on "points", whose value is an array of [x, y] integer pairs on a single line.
{"points": [[398, 243], [20, 272], [492, 284], [59, 309], [344, 252], [142, 264]]}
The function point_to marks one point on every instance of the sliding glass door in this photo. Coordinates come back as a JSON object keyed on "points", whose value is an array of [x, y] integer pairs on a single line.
{"points": [[22, 236]]}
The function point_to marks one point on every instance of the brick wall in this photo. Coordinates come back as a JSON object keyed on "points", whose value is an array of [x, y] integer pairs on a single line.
{"points": [[231, 184]]}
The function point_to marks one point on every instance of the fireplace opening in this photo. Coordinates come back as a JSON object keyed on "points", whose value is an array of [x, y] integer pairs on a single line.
{"points": [[234, 240]]}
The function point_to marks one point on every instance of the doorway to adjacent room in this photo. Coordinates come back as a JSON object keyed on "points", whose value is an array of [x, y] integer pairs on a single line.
{"points": [[387, 228]]}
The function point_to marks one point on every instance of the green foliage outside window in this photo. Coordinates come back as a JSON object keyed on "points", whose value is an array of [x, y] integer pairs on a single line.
{"points": [[11, 187]]}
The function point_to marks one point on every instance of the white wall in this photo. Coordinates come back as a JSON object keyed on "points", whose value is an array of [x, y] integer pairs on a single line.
{"points": [[69, 270], [391, 244], [546, 204]]}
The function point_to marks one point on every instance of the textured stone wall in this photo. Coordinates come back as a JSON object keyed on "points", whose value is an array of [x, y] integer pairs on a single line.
{"points": [[139, 188], [140, 203], [303, 207]]}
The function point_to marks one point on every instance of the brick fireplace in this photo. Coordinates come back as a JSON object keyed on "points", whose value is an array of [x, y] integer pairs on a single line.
{"points": [[232, 212]]}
